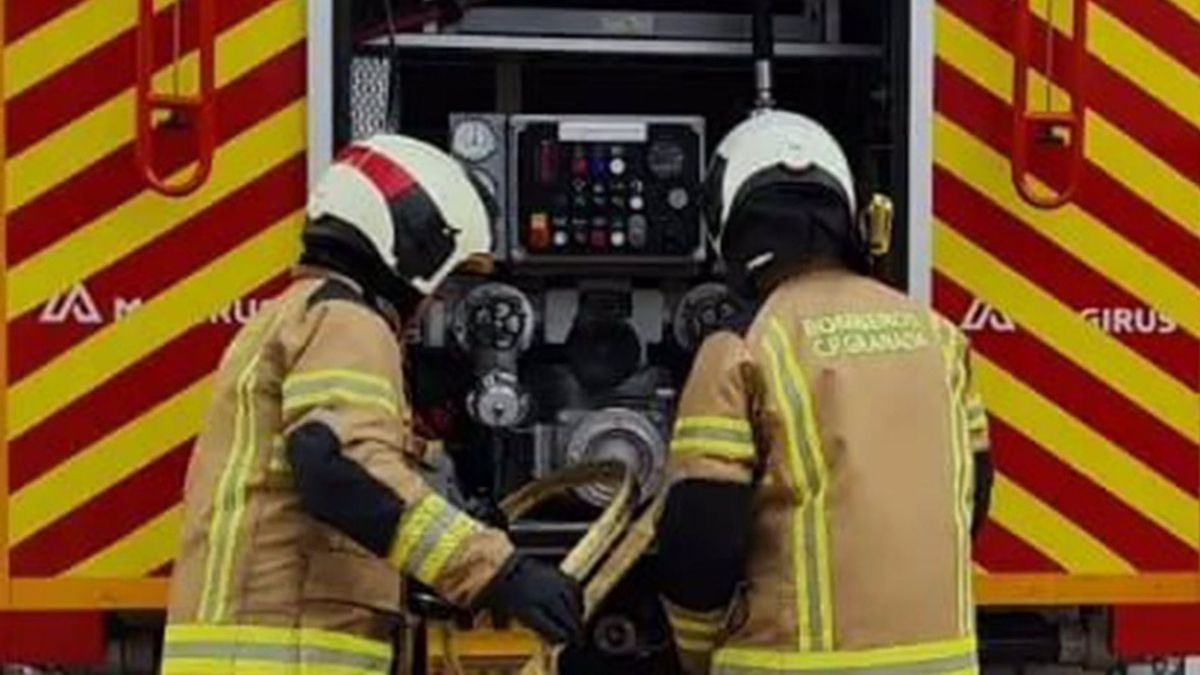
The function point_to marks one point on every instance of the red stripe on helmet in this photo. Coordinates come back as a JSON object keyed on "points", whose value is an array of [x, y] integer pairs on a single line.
{"points": [[389, 177]]}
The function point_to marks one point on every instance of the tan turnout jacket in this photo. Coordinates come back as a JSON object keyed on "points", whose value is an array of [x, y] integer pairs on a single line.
{"points": [[259, 586], [852, 408]]}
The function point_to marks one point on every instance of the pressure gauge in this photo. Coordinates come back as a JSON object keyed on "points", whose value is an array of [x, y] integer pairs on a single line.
{"points": [[475, 140]]}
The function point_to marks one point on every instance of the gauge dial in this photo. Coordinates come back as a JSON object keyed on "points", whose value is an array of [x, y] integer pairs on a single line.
{"points": [[474, 141]]}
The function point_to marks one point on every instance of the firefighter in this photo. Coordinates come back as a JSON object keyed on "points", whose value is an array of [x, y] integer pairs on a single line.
{"points": [[304, 503], [825, 461]]}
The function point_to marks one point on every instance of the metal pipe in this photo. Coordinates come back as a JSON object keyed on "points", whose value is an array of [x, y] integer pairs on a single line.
{"points": [[764, 53]]}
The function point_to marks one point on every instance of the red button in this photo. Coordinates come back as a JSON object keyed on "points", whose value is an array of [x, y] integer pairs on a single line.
{"points": [[599, 239], [539, 231]]}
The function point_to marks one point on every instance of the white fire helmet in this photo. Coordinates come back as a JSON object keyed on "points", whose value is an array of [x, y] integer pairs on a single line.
{"points": [[416, 205], [773, 146]]}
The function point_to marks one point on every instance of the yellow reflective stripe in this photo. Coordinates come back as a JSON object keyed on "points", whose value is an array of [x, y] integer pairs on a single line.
{"points": [[711, 422], [693, 645], [338, 395], [230, 498], [716, 448], [187, 633], [951, 655], [448, 542], [193, 666], [799, 570], [322, 376], [800, 400], [814, 629], [211, 601], [328, 386], [954, 360], [413, 525], [198, 648], [698, 628]]}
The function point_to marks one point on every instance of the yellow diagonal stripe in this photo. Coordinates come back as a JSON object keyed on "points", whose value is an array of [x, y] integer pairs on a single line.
{"points": [[63, 40], [1048, 531], [137, 554], [1189, 7], [112, 459], [160, 320], [1144, 63], [1088, 452], [1107, 146], [1136, 57], [1065, 331], [1072, 228], [149, 215], [110, 126]]}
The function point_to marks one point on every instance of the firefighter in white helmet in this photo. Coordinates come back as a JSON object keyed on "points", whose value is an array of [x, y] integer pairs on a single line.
{"points": [[304, 505], [825, 458]]}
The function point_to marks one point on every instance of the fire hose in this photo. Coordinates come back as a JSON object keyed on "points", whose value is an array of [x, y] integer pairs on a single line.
{"points": [[613, 544]]}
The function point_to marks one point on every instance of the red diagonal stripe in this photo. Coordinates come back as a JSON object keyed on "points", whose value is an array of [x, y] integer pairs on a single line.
{"points": [[1162, 23], [114, 179], [1118, 526], [1001, 552], [990, 120], [105, 519], [1160, 129], [124, 397], [25, 16], [1060, 274], [388, 177], [1086, 398], [154, 268], [104, 73]]}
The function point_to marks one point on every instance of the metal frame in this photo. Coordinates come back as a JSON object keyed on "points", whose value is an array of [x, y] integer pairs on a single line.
{"points": [[320, 88], [632, 24], [620, 46], [920, 150]]}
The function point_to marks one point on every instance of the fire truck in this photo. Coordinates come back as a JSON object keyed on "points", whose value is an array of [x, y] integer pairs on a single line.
{"points": [[1043, 157]]}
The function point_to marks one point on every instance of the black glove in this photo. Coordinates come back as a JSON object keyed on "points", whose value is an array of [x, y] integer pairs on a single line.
{"points": [[539, 596]]}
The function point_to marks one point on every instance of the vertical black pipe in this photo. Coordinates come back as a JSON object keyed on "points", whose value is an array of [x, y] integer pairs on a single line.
{"points": [[343, 54], [764, 52]]}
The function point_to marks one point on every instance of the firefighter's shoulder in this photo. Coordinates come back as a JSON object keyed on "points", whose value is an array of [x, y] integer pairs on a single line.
{"points": [[342, 303]]}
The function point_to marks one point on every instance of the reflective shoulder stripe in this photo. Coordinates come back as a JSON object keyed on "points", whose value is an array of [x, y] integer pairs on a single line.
{"points": [[725, 437], [714, 423], [952, 656], [321, 387], [715, 448], [428, 536], [197, 648]]}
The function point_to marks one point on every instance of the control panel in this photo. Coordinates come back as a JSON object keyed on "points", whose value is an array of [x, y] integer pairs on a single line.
{"points": [[609, 192], [606, 190]]}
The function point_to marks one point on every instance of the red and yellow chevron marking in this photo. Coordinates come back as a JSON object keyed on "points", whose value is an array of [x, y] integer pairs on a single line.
{"points": [[1086, 319], [119, 301]]}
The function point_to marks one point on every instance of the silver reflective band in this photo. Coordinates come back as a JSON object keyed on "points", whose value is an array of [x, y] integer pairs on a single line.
{"points": [[274, 653]]}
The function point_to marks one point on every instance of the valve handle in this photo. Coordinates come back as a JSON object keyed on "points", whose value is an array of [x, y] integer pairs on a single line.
{"points": [[197, 110], [1063, 128]]}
